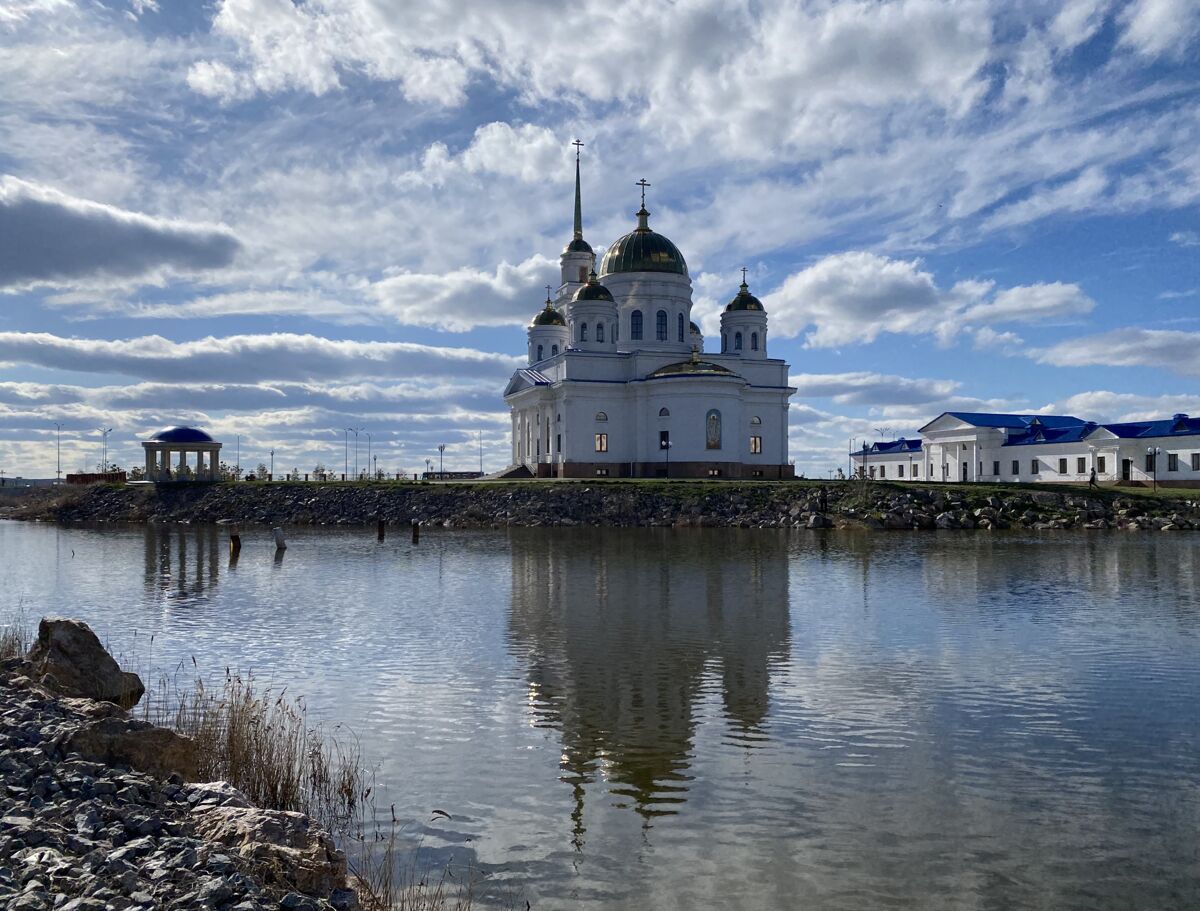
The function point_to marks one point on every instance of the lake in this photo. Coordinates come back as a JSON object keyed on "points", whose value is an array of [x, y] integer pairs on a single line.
{"points": [[653, 718]]}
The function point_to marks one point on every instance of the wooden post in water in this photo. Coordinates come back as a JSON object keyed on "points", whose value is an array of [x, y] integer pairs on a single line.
{"points": [[280, 544], [381, 529], [416, 530], [235, 547]]}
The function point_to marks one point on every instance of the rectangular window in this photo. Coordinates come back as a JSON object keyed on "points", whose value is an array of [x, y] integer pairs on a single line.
{"points": [[1016, 467], [1081, 465], [558, 443], [1196, 461], [883, 471], [1100, 464], [755, 445], [1150, 463], [1033, 466], [1172, 461], [1062, 466], [996, 469], [602, 472], [756, 473], [602, 442], [714, 472], [899, 471]]}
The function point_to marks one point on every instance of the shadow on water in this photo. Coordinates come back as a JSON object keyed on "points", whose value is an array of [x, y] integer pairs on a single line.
{"points": [[620, 635]]}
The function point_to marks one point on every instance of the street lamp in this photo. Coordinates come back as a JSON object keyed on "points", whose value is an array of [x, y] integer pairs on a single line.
{"points": [[271, 474], [1153, 452], [428, 467], [368, 447], [104, 448], [58, 448], [441, 461], [665, 446], [356, 431]]}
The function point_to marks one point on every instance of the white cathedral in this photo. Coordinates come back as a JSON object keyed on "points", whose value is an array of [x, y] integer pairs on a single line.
{"points": [[619, 384]]}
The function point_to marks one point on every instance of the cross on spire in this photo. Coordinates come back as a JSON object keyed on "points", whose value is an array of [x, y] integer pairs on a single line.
{"points": [[547, 294], [743, 275], [578, 145], [643, 183]]}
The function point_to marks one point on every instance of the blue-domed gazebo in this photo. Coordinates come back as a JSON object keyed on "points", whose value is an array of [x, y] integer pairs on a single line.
{"points": [[180, 441]]}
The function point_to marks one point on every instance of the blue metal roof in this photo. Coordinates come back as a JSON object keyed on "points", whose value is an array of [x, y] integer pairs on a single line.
{"points": [[1176, 426], [181, 435], [894, 447], [1014, 421], [1041, 434]]}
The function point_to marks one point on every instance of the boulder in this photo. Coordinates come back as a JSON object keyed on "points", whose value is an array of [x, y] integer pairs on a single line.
{"points": [[69, 659], [289, 849], [137, 744]]}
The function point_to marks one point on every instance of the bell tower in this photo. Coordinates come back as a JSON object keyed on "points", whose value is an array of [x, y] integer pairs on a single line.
{"points": [[578, 259]]}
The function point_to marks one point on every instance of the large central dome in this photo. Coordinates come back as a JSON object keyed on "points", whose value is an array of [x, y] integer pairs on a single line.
{"points": [[643, 250]]}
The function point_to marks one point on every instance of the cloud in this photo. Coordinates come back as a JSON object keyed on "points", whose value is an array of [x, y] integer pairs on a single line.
{"points": [[1167, 349], [251, 358], [1186, 238], [1108, 407], [874, 389], [52, 238], [1160, 28], [854, 297]]}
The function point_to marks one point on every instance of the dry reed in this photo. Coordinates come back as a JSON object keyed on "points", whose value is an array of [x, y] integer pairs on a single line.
{"points": [[15, 637]]}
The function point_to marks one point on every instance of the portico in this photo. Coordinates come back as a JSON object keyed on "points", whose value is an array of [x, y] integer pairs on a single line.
{"points": [[167, 455]]}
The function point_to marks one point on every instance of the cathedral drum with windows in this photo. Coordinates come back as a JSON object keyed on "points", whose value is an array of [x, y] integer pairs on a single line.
{"points": [[619, 385]]}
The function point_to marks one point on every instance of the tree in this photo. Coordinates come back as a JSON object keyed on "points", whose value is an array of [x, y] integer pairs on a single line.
{"points": [[261, 471], [137, 474]]}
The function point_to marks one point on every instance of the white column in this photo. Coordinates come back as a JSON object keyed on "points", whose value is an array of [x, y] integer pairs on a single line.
{"points": [[149, 465]]}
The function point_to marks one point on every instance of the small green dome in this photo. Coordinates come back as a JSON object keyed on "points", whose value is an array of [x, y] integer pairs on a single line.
{"points": [[578, 245], [695, 328], [548, 316], [643, 250], [593, 290], [744, 301]]}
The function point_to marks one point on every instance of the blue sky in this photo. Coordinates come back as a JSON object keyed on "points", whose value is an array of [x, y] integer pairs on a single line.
{"points": [[281, 219]]}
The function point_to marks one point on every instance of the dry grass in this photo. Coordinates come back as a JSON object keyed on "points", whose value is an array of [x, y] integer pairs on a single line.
{"points": [[15, 636]]}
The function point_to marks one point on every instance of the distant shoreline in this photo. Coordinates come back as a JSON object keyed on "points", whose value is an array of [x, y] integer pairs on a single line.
{"points": [[722, 504]]}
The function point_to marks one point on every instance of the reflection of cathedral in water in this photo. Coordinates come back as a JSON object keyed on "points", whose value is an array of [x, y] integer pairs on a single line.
{"points": [[181, 562], [623, 633]]}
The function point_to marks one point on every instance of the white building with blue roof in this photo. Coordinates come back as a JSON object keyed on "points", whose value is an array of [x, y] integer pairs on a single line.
{"points": [[618, 383], [1016, 448]]}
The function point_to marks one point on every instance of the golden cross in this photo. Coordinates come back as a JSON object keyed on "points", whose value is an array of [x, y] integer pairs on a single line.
{"points": [[643, 183]]}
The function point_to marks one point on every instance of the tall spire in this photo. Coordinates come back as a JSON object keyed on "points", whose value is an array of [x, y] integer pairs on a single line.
{"points": [[578, 198]]}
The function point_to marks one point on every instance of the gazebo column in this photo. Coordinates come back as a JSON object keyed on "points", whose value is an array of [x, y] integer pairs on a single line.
{"points": [[214, 464], [149, 465]]}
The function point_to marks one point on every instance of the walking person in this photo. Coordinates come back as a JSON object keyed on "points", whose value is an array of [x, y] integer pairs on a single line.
{"points": [[1092, 479]]}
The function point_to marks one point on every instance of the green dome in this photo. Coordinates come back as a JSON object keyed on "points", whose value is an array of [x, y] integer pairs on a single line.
{"points": [[695, 328], [643, 250], [593, 290], [578, 245], [548, 316], [744, 301]]}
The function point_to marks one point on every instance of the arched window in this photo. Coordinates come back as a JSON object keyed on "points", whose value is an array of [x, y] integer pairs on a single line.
{"points": [[724, 343], [680, 322], [635, 326], [660, 326], [616, 331], [664, 412], [756, 420], [737, 338], [554, 350], [583, 332], [539, 357], [601, 416], [753, 341]]}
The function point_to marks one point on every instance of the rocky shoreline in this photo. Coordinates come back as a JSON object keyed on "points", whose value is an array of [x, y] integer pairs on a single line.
{"points": [[803, 504], [97, 810]]}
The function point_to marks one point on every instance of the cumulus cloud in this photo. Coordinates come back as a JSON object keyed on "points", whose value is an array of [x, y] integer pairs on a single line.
{"points": [[854, 297], [875, 389], [250, 358], [53, 238], [1169, 349], [1104, 406]]}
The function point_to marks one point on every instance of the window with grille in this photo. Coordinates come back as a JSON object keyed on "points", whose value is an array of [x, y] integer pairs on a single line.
{"points": [[680, 322], [1062, 466], [602, 442], [635, 325], [660, 326], [1080, 465], [1172, 461], [755, 445]]}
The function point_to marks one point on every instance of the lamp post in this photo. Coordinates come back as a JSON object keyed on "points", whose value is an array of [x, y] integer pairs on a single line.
{"points": [[356, 431], [665, 446], [237, 468], [375, 468], [271, 474], [58, 450], [346, 455], [104, 448], [1153, 452], [428, 467], [441, 462], [368, 449]]}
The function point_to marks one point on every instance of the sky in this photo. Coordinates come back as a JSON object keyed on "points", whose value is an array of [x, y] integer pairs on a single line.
{"points": [[277, 220]]}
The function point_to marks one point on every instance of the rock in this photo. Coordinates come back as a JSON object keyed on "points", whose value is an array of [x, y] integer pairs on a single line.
{"points": [[289, 848], [137, 744], [69, 659]]}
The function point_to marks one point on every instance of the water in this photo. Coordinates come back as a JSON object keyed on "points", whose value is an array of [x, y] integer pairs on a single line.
{"points": [[714, 718]]}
